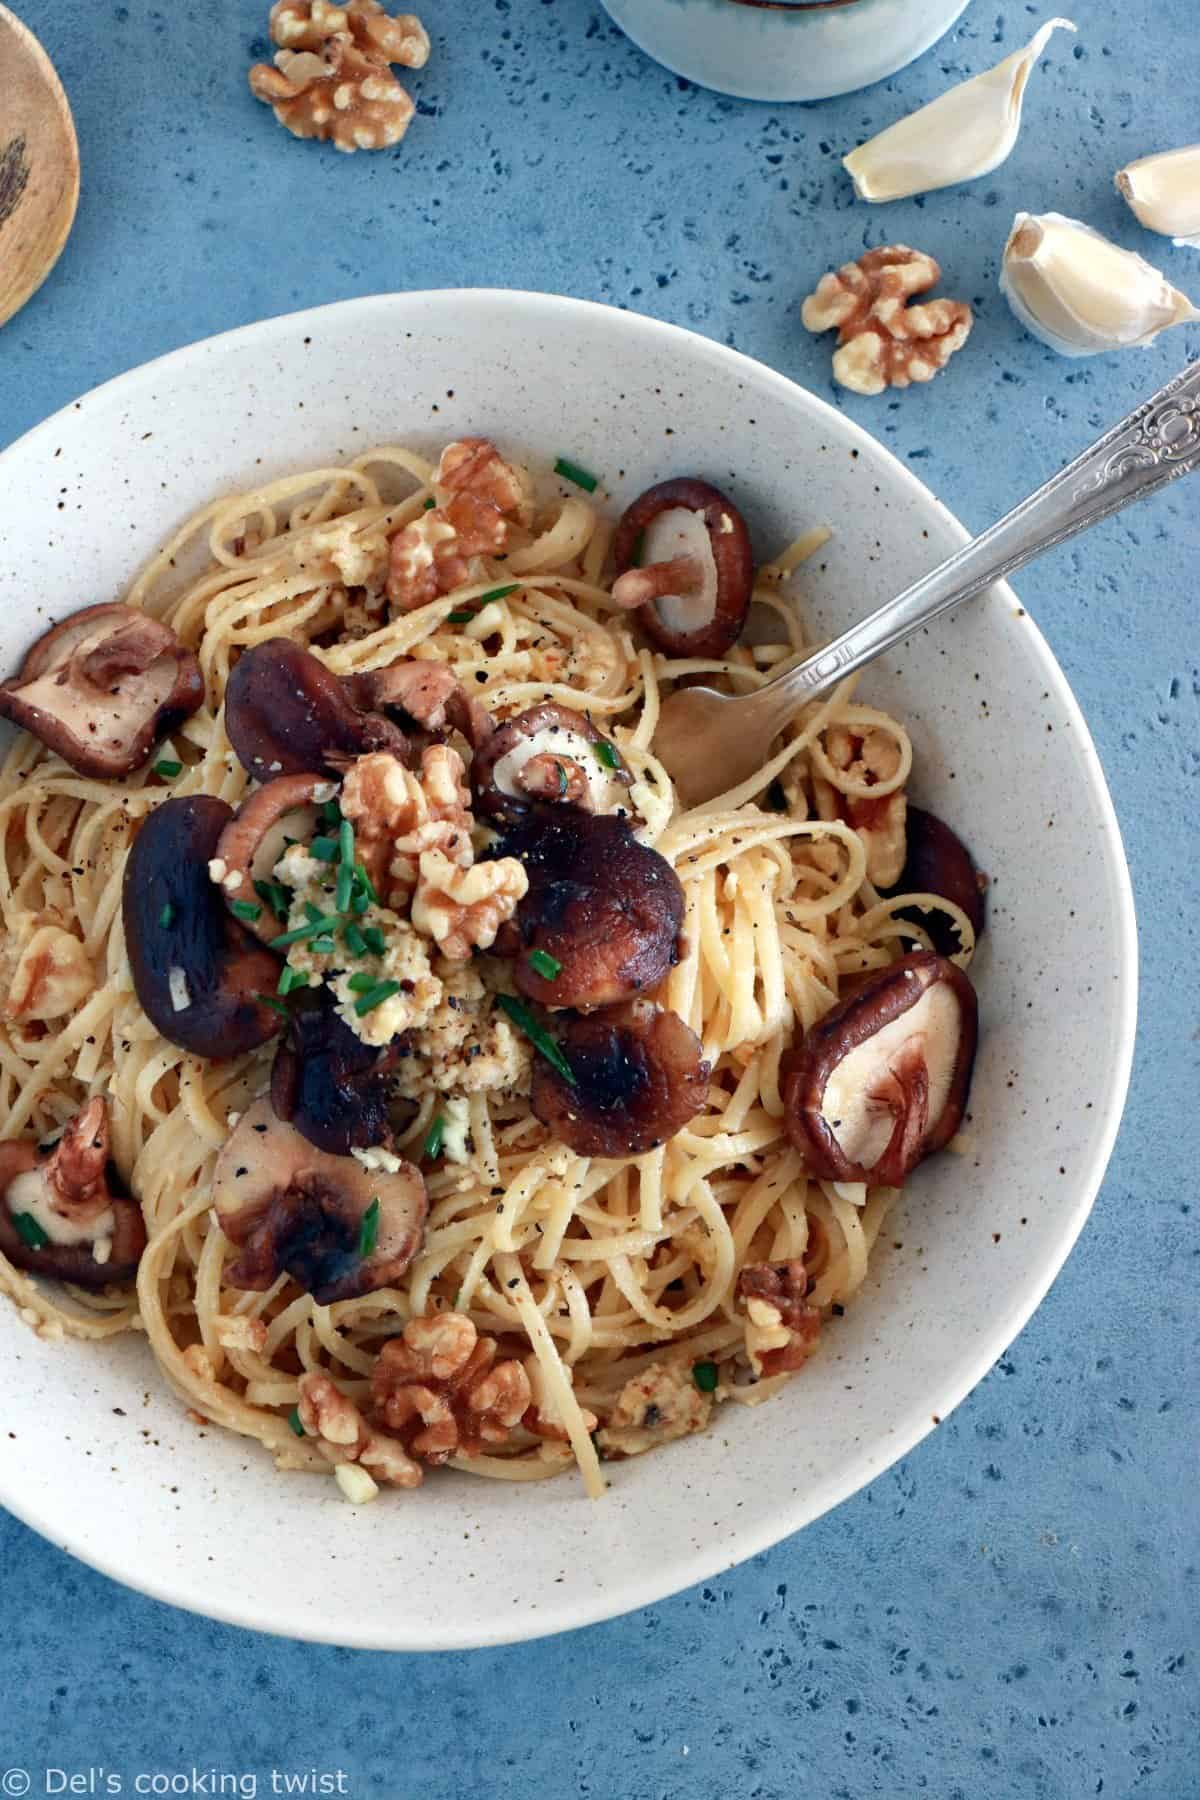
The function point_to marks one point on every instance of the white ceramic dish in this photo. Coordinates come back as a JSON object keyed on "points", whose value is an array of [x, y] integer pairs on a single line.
{"points": [[98, 1456], [785, 49]]}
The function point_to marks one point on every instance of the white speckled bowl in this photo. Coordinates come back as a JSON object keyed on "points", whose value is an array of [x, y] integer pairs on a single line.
{"points": [[98, 1456]]}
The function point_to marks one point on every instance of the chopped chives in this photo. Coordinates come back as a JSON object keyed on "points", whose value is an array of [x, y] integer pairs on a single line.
{"points": [[500, 593], [354, 940], [545, 965], [383, 990], [374, 939], [275, 1005], [331, 812], [572, 472], [275, 895], [29, 1231], [368, 1231], [346, 843], [168, 768], [345, 887], [359, 902], [290, 978], [538, 1036], [365, 882], [167, 915], [429, 505], [313, 914], [323, 945], [433, 1141], [300, 933], [325, 849], [459, 618], [294, 1421], [361, 984], [245, 909], [606, 754], [563, 783], [704, 1374]]}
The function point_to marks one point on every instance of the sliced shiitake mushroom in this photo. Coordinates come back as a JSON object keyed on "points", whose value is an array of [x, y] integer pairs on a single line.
{"points": [[327, 1083], [102, 687], [640, 1075], [938, 862], [882, 1081], [287, 714], [601, 920], [334, 1226], [76, 1220], [254, 840], [554, 754], [198, 973], [684, 561]]}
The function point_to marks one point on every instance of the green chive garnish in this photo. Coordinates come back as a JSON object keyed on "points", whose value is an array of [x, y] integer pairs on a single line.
{"points": [[383, 990], [459, 618], [345, 887], [606, 754], [301, 932], [314, 915], [537, 1034], [361, 984], [168, 769], [374, 939], [294, 1421], [331, 813], [245, 909], [275, 1005], [433, 1141], [359, 902], [323, 945], [500, 593], [429, 505], [167, 915], [290, 978], [346, 843], [354, 941], [367, 885], [368, 1231], [325, 849], [29, 1231], [545, 965], [275, 895], [562, 779], [704, 1374], [572, 472]]}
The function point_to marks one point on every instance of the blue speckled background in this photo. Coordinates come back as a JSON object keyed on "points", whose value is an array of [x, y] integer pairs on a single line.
{"points": [[1012, 1611]]}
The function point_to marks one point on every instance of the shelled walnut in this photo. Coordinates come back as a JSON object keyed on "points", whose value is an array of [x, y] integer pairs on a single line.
{"points": [[883, 341], [440, 1390], [782, 1328], [332, 77]]}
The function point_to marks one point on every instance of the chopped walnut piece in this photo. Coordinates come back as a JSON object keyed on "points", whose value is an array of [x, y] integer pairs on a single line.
{"points": [[781, 1328], [880, 823], [342, 1435], [439, 1389], [398, 815], [653, 1408], [882, 340], [463, 909], [52, 978], [480, 497], [238, 1331], [332, 78]]}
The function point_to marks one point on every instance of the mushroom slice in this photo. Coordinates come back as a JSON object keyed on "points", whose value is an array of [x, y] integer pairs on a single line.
{"points": [[554, 754], [640, 1075], [327, 1083], [102, 687], [602, 916], [428, 695], [881, 1081], [334, 1226], [694, 568], [199, 975], [938, 862], [253, 842], [287, 714], [63, 1211]]}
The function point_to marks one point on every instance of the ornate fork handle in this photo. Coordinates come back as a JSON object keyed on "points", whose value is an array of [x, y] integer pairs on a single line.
{"points": [[1157, 443]]}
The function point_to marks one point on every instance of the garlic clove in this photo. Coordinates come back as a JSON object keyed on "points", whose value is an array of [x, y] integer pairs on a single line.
{"points": [[1163, 191], [966, 132], [1080, 293]]}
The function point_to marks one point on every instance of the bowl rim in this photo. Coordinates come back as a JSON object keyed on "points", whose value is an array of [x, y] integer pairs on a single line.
{"points": [[176, 1587]]}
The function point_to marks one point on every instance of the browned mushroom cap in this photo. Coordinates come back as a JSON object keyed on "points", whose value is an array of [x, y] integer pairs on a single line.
{"points": [[253, 842], [554, 754], [640, 1075], [102, 687], [428, 696], [881, 1081], [198, 973], [601, 906], [938, 862], [78, 1222], [695, 569], [327, 1083], [287, 714], [292, 1209]]}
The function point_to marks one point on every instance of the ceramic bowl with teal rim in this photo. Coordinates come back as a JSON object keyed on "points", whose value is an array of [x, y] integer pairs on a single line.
{"points": [[785, 49]]}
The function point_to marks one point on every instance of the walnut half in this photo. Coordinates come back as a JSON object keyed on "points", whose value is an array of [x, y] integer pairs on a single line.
{"points": [[883, 341], [439, 1389], [332, 77]]}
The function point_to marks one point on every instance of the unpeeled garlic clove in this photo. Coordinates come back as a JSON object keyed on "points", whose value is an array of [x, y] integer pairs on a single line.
{"points": [[1080, 293], [1164, 193], [965, 132]]}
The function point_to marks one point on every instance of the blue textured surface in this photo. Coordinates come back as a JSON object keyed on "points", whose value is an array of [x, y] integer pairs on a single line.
{"points": [[1012, 1610]]}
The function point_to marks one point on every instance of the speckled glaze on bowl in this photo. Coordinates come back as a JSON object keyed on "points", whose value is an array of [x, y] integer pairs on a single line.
{"points": [[98, 1455]]}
